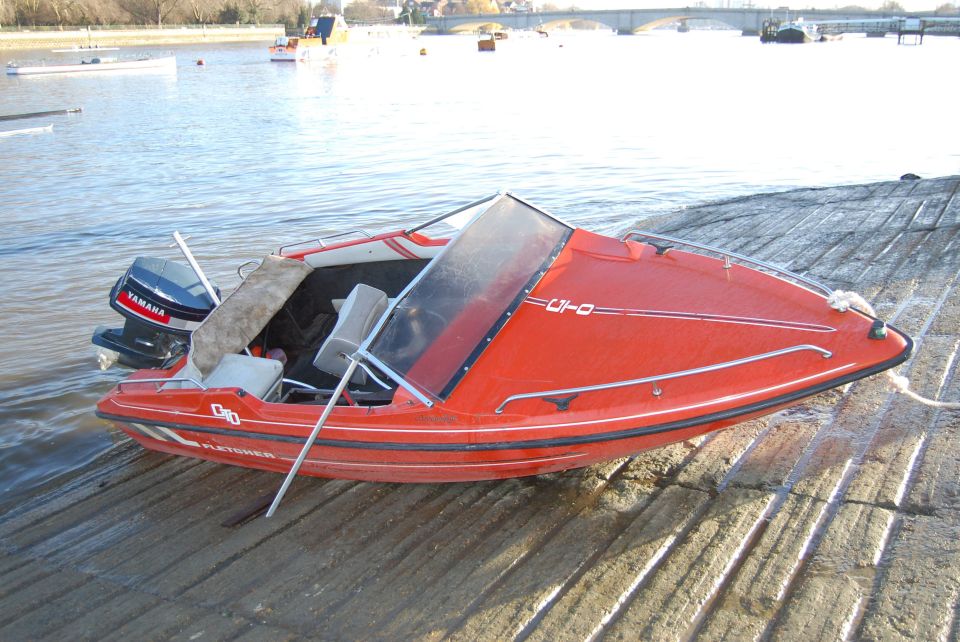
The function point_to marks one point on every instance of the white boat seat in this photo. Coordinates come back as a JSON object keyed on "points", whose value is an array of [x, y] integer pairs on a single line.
{"points": [[338, 303], [362, 308], [257, 376]]}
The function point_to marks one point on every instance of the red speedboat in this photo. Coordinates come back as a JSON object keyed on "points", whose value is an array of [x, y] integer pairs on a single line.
{"points": [[522, 345]]}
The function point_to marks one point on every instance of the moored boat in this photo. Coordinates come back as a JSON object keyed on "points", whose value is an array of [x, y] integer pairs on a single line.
{"points": [[319, 41], [797, 32], [96, 64], [87, 49], [520, 345], [326, 36], [487, 42]]}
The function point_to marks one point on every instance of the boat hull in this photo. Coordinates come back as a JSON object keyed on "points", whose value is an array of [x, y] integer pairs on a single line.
{"points": [[233, 428], [795, 36], [413, 455]]}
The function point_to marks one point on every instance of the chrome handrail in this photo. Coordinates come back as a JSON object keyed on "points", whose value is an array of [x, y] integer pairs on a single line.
{"points": [[464, 208], [322, 241], [727, 255], [157, 382], [243, 275], [826, 354]]}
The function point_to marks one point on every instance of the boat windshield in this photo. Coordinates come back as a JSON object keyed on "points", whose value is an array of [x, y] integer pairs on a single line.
{"points": [[442, 323]]}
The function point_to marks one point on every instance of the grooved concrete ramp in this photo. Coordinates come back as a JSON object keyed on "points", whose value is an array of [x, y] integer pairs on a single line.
{"points": [[838, 518]]}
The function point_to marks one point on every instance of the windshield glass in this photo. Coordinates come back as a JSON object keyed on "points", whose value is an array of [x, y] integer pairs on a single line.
{"points": [[460, 301]]}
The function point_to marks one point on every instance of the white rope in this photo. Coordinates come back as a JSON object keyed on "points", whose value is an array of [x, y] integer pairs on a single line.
{"points": [[902, 385], [843, 301]]}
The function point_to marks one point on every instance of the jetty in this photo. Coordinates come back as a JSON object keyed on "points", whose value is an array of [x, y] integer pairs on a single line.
{"points": [[838, 518]]}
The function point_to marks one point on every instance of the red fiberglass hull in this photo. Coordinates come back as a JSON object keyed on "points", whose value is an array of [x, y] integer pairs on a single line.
{"points": [[690, 345]]}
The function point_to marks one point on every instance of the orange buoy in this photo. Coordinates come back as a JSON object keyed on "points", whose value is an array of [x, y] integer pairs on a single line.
{"points": [[200, 62]]}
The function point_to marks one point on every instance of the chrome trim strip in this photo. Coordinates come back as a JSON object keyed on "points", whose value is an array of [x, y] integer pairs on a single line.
{"points": [[464, 208], [727, 255], [157, 382], [321, 241], [826, 354]]}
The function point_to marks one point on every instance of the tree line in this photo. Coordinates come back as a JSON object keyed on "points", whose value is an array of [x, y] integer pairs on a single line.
{"points": [[294, 14]]}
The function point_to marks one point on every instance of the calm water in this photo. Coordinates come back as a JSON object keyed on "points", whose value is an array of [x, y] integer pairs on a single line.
{"points": [[244, 154]]}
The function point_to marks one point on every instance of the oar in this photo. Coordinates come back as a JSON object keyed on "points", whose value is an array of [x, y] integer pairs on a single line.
{"points": [[38, 114], [313, 436]]}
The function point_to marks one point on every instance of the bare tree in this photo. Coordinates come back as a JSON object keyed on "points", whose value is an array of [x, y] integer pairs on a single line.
{"points": [[28, 12], [62, 10], [200, 11], [256, 9], [149, 11]]}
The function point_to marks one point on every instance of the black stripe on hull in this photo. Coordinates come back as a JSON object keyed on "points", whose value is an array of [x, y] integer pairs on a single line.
{"points": [[556, 442]]}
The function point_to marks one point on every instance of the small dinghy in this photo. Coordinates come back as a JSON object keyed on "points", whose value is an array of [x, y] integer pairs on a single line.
{"points": [[521, 345]]}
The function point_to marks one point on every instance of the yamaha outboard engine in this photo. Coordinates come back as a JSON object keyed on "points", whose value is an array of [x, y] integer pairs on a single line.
{"points": [[163, 302]]}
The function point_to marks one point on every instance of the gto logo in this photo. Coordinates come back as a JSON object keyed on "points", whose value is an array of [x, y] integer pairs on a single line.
{"points": [[563, 305], [225, 413]]}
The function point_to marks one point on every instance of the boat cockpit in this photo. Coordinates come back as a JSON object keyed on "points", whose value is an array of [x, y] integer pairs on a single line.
{"points": [[290, 331]]}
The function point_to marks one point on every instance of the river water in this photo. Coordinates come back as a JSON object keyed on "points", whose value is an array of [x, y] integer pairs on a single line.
{"points": [[244, 155]]}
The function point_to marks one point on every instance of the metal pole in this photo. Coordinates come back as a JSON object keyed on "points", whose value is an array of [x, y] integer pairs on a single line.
{"points": [[313, 436], [196, 267], [200, 275]]}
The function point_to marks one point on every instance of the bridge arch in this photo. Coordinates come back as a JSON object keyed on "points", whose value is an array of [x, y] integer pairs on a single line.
{"points": [[567, 22], [480, 25]]}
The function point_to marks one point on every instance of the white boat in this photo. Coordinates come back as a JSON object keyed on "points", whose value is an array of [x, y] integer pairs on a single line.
{"points": [[327, 35], [94, 64], [28, 130], [76, 49]]}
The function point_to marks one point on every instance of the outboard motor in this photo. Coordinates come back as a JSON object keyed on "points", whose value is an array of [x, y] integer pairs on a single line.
{"points": [[163, 302]]}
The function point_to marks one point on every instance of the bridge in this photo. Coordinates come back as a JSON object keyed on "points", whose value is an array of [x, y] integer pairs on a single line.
{"points": [[628, 21]]}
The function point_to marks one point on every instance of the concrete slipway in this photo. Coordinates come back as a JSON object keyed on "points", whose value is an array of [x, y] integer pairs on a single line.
{"points": [[838, 518]]}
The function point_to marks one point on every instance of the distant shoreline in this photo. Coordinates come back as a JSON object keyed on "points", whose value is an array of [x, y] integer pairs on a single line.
{"points": [[91, 38]]}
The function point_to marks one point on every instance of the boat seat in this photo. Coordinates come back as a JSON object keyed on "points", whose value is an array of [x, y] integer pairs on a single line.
{"points": [[257, 376], [338, 303], [362, 308]]}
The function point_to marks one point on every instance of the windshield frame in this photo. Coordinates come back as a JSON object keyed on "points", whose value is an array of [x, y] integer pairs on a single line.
{"points": [[424, 395]]}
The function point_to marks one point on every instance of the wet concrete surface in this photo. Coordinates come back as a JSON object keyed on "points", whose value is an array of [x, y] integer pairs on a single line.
{"points": [[838, 518]]}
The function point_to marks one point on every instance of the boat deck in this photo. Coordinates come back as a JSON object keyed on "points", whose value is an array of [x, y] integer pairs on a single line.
{"points": [[838, 518]]}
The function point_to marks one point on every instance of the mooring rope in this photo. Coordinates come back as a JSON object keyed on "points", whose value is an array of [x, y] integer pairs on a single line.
{"points": [[843, 301]]}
